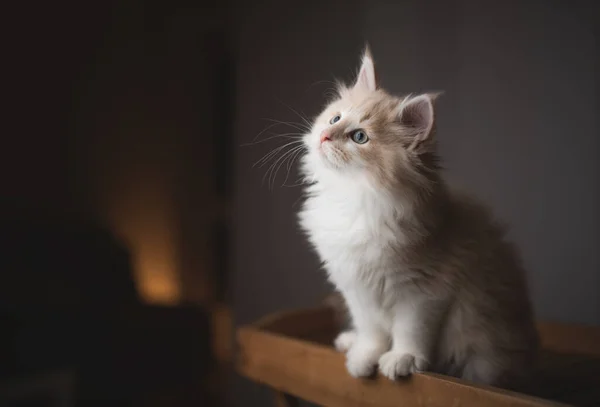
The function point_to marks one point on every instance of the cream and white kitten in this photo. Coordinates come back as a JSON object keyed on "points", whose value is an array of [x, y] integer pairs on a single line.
{"points": [[426, 273]]}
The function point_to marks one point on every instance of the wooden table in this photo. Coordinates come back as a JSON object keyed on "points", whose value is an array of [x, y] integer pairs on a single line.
{"points": [[290, 353]]}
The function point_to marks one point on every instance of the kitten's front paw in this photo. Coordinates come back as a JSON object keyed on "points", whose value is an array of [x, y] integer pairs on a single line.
{"points": [[394, 364], [344, 341], [361, 359]]}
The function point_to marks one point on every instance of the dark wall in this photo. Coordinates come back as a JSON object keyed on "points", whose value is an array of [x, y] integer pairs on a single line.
{"points": [[113, 111], [146, 127], [44, 55], [110, 116]]}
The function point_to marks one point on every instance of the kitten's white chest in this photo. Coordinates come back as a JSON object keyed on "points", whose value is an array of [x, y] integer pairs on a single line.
{"points": [[354, 239]]}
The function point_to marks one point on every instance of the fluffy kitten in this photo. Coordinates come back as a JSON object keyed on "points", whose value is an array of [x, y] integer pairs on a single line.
{"points": [[426, 273]]}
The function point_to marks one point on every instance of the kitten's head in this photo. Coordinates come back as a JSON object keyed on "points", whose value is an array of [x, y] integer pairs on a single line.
{"points": [[369, 136]]}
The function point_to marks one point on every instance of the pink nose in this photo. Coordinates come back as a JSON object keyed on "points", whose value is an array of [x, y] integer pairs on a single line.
{"points": [[325, 136]]}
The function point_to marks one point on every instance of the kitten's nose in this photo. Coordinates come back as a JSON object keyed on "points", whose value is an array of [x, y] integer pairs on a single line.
{"points": [[325, 136]]}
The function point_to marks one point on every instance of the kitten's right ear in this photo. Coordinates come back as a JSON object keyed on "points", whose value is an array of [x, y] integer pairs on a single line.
{"points": [[417, 115], [367, 79]]}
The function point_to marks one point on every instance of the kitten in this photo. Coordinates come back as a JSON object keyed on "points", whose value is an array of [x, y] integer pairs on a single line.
{"points": [[426, 273]]}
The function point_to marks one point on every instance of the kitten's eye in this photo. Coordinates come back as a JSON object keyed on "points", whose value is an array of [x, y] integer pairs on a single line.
{"points": [[359, 137], [335, 119]]}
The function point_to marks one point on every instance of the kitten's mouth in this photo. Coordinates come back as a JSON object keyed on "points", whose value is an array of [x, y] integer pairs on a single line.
{"points": [[331, 155], [325, 151]]}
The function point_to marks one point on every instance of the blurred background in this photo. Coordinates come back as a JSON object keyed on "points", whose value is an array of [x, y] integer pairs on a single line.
{"points": [[135, 234]]}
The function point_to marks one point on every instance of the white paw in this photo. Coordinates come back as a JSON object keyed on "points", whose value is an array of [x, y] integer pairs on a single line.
{"points": [[361, 359], [394, 364], [344, 341]]}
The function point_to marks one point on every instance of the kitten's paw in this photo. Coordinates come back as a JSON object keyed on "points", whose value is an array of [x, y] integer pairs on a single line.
{"points": [[361, 359], [394, 364], [359, 364], [344, 341]]}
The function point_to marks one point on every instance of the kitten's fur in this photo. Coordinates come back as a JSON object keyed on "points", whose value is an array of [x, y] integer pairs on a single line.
{"points": [[426, 273]]}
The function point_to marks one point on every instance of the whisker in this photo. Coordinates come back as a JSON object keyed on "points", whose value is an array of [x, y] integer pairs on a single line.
{"points": [[295, 185], [274, 168], [264, 130], [302, 117], [273, 152], [331, 93], [289, 161], [291, 164], [285, 135], [320, 82], [298, 126], [266, 157], [269, 170], [297, 200]]}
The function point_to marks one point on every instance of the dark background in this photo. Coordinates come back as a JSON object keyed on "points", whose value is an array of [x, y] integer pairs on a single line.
{"points": [[132, 224]]}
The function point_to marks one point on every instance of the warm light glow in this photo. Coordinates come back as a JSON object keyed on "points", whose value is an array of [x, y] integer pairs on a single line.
{"points": [[156, 272], [143, 214]]}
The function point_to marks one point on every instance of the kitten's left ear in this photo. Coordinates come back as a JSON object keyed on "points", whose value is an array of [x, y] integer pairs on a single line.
{"points": [[366, 79], [417, 115]]}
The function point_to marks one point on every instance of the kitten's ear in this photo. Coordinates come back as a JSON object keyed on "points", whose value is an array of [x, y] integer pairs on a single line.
{"points": [[366, 79], [417, 114]]}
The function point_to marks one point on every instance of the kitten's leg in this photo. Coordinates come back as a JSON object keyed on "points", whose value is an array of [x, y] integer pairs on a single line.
{"points": [[362, 357], [369, 342], [414, 334], [500, 368], [345, 340], [481, 370]]}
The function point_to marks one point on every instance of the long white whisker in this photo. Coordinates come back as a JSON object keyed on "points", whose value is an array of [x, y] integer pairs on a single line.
{"points": [[274, 168], [320, 82], [279, 122], [302, 117], [298, 126], [272, 155], [297, 184], [273, 152], [288, 160], [268, 172], [264, 130], [285, 135], [291, 164], [266, 157]]}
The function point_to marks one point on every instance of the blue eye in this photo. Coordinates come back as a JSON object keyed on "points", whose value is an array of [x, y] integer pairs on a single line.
{"points": [[335, 119], [359, 137]]}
